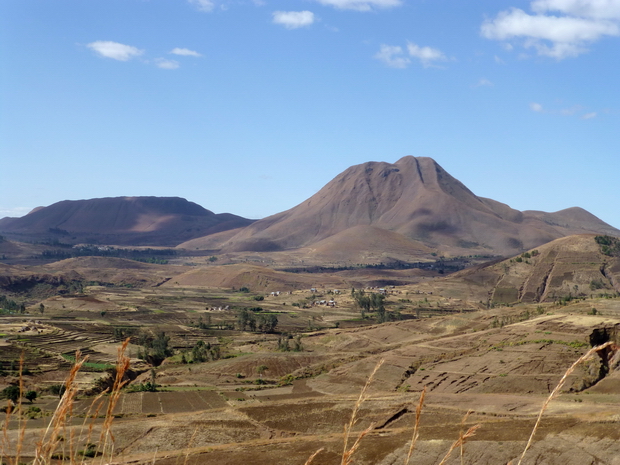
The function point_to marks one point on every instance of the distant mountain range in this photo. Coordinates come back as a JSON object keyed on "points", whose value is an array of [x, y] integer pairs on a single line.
{"points": [[411, 203], [153, 221]]}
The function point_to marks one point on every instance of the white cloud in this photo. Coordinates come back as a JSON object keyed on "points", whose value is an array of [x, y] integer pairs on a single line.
{"points": [[537, 107], [293, 19], [397, 57], [164, 63], [203, 5], [599, 9], [559, 37], [589, 115], [393, 56], [361, 5], [114, 50], [185, 52], [426, 55]]}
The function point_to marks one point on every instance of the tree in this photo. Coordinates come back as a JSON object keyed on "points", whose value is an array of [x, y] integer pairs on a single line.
{"points": [[57, 389], [41, 308], [267, 323], [160, 348], [243, 318], [31, 396], [12, 393]]}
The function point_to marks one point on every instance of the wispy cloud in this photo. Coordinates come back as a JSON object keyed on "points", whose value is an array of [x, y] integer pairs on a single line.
{"points": [[428, 56], [397, 57], [185, 52], [574, 110], [164, 63], [361, 5], [293, 19], [580, 23], [598, 9], [115, 50], [393, 56], [483, 83], [205, 6], [537, 107]]}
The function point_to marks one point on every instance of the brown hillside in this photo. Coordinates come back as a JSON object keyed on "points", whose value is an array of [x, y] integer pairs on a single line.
{"points": [[419, 200], [257, 278], [367, 244], [122, 220], [570, 266]]}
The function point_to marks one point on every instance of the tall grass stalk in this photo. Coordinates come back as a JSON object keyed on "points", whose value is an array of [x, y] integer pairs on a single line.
{"points": [[311, 458], [469, 412], [347, 453], [51, 437], [416, 427], [107, 438], [189, 445], [21, 421], [11, 410], [556, 391], [459, 442]]}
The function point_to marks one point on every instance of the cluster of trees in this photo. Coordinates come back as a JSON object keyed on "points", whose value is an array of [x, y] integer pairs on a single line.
{"points": [[203, 352], [609, 245], [155, 349], [374, 302], [261, 323], [13, 393], [370, 302], [10, 305]]}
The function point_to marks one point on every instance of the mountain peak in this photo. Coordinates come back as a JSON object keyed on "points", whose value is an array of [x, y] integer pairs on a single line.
{"points": [[416, 198]]}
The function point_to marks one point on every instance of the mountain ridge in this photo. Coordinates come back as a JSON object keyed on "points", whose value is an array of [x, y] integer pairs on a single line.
{"points": [[416, 198]]}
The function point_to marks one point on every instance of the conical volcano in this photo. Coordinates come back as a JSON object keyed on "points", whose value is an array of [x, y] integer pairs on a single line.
{"points": [[418, 199]]}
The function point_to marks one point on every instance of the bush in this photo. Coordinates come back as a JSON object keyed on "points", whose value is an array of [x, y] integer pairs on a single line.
{"points": [[31, 395], [12, 393]]}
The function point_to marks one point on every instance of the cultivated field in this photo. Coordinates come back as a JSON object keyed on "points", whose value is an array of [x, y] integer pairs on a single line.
{"points": [[231, 387]]}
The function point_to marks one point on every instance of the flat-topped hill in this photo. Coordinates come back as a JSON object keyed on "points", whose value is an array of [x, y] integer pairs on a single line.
{"points": [[165, 221]]}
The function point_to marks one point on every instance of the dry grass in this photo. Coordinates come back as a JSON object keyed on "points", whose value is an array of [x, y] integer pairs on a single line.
{"points": [[53, 444], [556, 392], [347, 455], [416, 427]]}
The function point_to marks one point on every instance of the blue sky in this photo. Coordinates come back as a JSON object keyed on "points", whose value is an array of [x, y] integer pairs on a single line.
{"points": [[251, 106]]}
